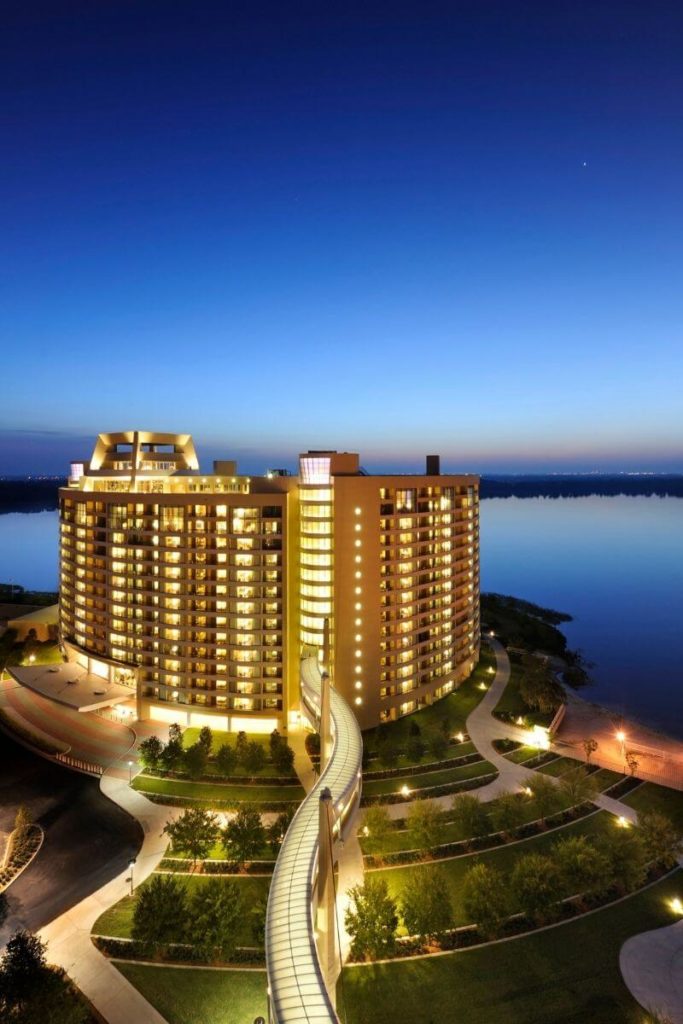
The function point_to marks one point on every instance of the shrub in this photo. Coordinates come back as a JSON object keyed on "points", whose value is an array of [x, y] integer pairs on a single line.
{"points": [[376, 826], [371, 919], [160, 912], [485, 899], [194, 760], [226, 759], [661, 840], [150, 751], [283, 757], [470, 814], [536, 886], [426, 904], [205, 739], [244, 836], [425, 824], [254, 757]]}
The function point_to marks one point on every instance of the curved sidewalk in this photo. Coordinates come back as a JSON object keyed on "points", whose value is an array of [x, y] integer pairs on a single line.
{"points": [[68, 936], [652, 967]]}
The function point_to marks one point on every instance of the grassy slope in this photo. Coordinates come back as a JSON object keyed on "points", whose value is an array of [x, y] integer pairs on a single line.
{"points": [[658, 798], [209, 791], [427, 779], [502, 858], [566, 975], [201, 997], [455, 707], [118, 920]]}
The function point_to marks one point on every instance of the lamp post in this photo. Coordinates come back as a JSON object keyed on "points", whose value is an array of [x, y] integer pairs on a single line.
{"points": [[621, 736], [130, 772], [131, 866]]}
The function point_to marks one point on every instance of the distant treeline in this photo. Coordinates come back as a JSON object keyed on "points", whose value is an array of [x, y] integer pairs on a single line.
{"points": [[41, 495], [570, 486], [29, 495]]}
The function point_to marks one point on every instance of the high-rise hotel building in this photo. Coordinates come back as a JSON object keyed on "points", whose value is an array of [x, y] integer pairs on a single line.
{"points": [[203, 592]]}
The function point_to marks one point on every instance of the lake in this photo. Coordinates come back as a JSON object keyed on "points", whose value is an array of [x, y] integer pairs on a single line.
{"points": [[615, 564]]}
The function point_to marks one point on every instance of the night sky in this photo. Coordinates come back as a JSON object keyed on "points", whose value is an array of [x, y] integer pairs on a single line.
{"points": [[394, 228]]}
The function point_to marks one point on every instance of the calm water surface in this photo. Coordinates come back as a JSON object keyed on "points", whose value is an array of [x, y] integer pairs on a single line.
{"points": [[615, 564]]}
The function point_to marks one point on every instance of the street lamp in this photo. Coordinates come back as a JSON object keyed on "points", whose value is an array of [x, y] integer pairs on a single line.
{"points": [[131, 866], [621, 736], [130, 772]]}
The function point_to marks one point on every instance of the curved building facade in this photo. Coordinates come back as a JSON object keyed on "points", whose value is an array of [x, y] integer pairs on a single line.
{"points": [[203, 592]]}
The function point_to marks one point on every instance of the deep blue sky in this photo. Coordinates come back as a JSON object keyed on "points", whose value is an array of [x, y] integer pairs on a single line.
{"points": [[399, 228]]}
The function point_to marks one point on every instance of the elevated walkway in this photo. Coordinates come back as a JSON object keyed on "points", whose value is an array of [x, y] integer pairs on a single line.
{"points": [[296, 983]]}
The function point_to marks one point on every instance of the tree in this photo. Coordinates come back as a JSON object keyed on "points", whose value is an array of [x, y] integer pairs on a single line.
{"points": [[545, 795], [425, 824], [469, 813], [254, 758], [626, 855], [632, 761], [437, 744], [426, 904], [536, 886], [578, 785], [376, 827], [4, 908], [582, 867], [175, 732], [485, 899], [283, 758], [389, 752], [241, 745], [589, 747], [22, 965], [507, 812], [371, 919], [277, 829], [172, 755], [205, 739], [244, 836], [194, 832], [274, 740], [415, 748], [214, 916], [661, 840], [150, 751], [226, 759], [194, 760], [160, 911]]}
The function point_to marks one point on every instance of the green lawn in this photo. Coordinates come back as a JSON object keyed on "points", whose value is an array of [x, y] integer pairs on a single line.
{"points": [[404, 762], [218, 853], [218, 739], [425, 780], [454, 708], [452, 832], [118, 920], [196, 996], [566, 975], [216, 791], [511, 702], [521, 754], [502, 858], [558, 767], [650, 797]]}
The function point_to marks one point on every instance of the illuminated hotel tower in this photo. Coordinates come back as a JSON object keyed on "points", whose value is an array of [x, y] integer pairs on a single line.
{"points": [[203, 592]]}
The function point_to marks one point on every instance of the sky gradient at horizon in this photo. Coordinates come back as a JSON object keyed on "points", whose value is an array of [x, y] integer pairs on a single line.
{"points": [[391, 228]]}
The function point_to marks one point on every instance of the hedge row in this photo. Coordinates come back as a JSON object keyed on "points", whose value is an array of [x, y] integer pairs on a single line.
{"points": [[421, 769], [228, 780], [277, 806], [519, 924], [177, 952], [624, 786], [429, 791], [183, 866], [475, 844]]}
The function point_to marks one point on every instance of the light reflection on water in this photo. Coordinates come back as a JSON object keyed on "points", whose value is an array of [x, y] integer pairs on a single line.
{"points": [[615, 564]]}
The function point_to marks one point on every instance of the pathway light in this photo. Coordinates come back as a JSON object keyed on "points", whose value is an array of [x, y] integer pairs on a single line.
{"points": [[405, 791]]}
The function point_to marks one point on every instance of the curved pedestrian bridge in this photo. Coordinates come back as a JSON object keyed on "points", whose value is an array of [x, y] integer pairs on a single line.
{"points": [[296, 984]]}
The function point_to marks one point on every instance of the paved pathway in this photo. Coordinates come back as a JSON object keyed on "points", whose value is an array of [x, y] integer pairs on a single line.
{"points": [[652, 967], [68, 936]]}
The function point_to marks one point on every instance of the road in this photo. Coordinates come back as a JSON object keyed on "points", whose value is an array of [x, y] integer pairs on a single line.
{"points": [[88, 839]]}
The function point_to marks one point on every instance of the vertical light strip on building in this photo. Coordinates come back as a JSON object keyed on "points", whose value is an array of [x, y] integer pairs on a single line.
{"points": [[316, 551]]}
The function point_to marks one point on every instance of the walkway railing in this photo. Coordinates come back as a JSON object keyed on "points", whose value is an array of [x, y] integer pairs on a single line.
{"points": [[296, 985]]}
